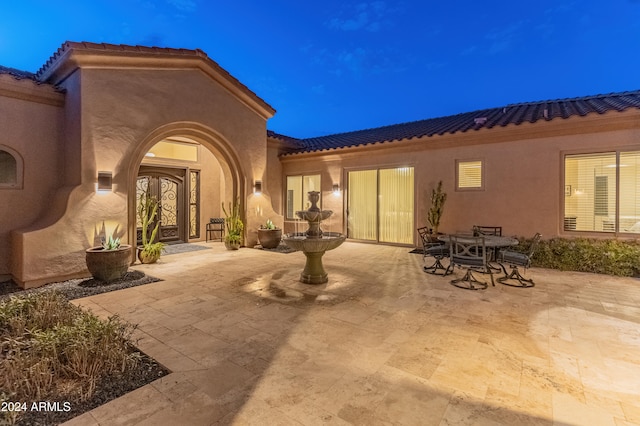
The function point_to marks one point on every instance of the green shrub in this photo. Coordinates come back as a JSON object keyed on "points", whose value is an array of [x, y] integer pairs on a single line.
{"points": [[612, 257], [50, 347]]}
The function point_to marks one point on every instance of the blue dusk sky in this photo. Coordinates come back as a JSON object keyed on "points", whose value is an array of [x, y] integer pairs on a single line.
{"points": [[337, 66]]}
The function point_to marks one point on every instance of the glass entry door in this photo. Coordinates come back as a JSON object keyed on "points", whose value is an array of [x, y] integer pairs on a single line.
{"points": [[380, 205]]}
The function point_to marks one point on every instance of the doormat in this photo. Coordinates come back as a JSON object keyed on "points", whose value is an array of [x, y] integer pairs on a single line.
{"points": [[182, 248], [417, 251]]}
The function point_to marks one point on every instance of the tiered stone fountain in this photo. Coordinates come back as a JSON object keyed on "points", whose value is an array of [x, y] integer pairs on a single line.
{"points": [[314, 243]]}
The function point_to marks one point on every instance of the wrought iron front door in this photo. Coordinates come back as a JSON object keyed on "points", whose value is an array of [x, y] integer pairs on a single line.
{"points": [[167, 185]]}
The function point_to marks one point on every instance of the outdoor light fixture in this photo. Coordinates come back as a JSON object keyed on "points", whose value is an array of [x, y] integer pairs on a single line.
{"points": [[257, 187], [336, 189], [105, 182]]}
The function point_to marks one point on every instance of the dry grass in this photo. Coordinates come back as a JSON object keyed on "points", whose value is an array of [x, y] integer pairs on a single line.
{"points": [[52, 350]]}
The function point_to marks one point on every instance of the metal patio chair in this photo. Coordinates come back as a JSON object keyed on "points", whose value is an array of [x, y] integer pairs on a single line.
{"points": [[215, 226], [469, 253], [437, 250], [479, 231], [515, 259]]}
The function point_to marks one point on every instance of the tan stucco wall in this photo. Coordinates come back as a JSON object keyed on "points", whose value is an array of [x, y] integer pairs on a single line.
{"points": [[113, 117], [523, 187], [31, 123]]}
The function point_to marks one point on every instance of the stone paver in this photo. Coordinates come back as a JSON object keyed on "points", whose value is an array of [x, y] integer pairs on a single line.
{"points": [[381, 343]]}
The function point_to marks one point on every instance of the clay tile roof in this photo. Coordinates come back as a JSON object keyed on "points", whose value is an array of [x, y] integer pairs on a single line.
{"points": [[145, 50], [119, 48], [472, 121], [290, 144], [17, 74]]}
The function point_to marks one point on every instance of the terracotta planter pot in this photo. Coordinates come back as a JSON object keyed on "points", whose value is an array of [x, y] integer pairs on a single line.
{"points": [[269, 238], [147, 258], [230, 245], [108, 265]]}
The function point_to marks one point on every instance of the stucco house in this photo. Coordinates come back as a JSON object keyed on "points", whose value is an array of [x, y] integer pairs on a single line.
{"points": [[98, 123]]}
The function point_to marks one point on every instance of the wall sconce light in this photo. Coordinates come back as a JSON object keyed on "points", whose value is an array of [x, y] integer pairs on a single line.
{"points": [[105, 182], [257, 187], [336, 189]]}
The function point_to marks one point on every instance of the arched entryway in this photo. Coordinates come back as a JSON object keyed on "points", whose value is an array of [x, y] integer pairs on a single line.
{"points": [[191, 170], [169, 185]]}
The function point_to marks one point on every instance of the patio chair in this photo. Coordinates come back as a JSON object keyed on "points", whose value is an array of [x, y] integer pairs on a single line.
{"points": [[470, 253], [438, 250], [515, 259], [215, 226], [479, 231]]}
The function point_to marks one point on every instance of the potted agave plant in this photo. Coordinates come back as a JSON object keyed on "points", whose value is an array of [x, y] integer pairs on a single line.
{"points": [[149, 251], [269, 235], [110, 261], [234, 226]]}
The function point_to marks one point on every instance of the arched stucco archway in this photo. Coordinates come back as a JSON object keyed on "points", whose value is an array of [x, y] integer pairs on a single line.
{"points": [[207, 137]]}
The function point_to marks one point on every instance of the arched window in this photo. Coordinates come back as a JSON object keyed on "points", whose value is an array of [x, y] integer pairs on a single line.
{"points": [[10, 168]]}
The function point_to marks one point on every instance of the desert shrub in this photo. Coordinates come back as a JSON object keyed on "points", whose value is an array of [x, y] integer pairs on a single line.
{"points": [[50, 347], [612, 257]]}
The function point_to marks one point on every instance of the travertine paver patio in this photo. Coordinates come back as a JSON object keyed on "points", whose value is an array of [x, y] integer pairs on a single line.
{"points": [[381, 343]]}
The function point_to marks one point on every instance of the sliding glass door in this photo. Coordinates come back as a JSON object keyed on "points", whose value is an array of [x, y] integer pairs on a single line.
{"points": [[380, 205]]}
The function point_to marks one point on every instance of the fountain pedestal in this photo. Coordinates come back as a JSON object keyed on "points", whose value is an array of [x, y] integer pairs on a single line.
{"points": [[314, 272], [314, 249]]}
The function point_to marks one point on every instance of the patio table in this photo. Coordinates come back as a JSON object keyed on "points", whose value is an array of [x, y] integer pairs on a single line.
{"points": [[493, 242]]}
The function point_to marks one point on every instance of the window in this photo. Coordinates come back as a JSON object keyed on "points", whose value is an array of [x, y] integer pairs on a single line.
{"points": [[380, 205], [469, 175], [602, 192], [194, 203], [170, 150], [297, 189], [10, 169]]}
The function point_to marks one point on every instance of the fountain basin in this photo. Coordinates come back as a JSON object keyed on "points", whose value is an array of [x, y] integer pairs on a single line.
{"points": [[314, 249], [299, 241]]}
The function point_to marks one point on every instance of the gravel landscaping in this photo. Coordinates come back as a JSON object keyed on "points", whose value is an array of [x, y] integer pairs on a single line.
{"points": [[83, 287]]}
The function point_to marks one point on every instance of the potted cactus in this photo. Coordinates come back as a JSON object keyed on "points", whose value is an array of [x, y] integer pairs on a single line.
{"points": [[438, 198], [150, 251], [110, 261], [269, 235], [234, 226]]}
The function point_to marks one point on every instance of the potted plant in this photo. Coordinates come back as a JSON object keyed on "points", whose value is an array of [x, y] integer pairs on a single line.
{"points": [[233, 225], [110, 261], [269, 235], [150, 251], [438, 197]]}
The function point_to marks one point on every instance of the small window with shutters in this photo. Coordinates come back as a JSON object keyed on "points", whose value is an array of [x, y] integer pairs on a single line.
{"points": [[469, 175]]}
